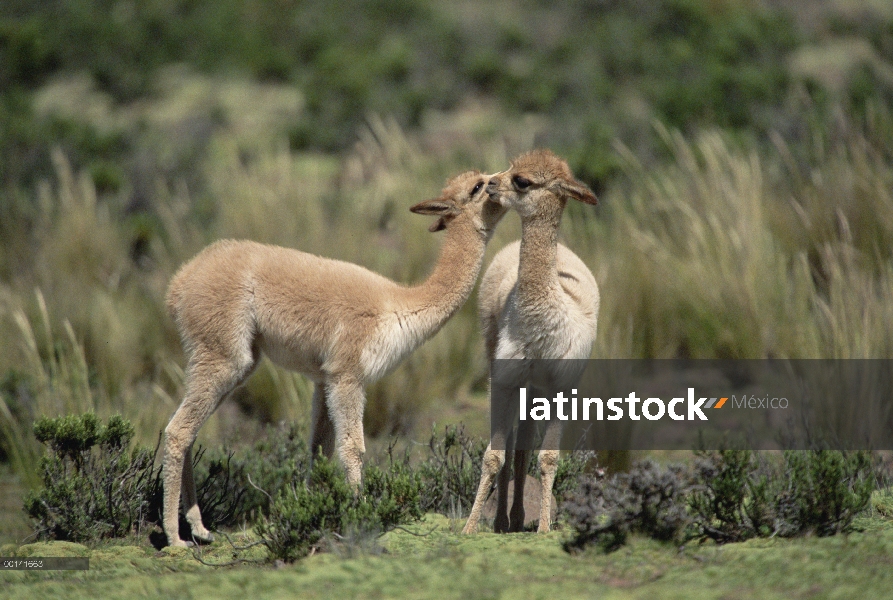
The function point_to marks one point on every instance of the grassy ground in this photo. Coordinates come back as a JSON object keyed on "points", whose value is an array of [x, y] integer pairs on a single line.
{"points": [[445, 564]]}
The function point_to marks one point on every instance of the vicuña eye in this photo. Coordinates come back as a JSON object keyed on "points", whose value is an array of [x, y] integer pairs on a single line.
{"points": [[477, 187], [521, 183]]}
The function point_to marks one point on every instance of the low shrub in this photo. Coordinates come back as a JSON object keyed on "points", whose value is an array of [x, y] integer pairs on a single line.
{"points": [[731, 501], [649, 500], [94, 486], [451, 472], [730, 496], [229, 483], [817, 491], [303, 516], [572, 466], [826, 490]]}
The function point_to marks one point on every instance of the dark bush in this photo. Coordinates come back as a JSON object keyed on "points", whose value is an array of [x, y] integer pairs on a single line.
{"points": [[826, 490], [572, 466], [742, 496], [732, 495], [226, 496], [649, 500], [731, 500], [94, 487]]}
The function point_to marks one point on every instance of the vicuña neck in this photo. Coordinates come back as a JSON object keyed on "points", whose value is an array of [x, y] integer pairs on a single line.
{"points": [[538, 271], [449, 285]]}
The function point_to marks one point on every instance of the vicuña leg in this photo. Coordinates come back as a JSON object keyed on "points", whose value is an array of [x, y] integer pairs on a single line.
{"points": [[548, 465], [501, 519], [208, 381], [494, 460], [323, 436], [345, 401], [526, 431], [190, 501]]}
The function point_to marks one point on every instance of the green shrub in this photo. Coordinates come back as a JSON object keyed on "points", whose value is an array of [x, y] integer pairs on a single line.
{"points": [[731, 501], [451, 472], [302, 516], [226, 496], [94, 487], [816, 491], [826, 490], [731, 496], [572, 466]]}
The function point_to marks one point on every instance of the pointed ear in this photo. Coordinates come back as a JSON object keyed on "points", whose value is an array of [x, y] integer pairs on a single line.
{"points": [[437, 206], [578, 191]]}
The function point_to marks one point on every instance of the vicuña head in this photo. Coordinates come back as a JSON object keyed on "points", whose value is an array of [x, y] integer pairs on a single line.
{"points": [[537, 182], [460, 190]]}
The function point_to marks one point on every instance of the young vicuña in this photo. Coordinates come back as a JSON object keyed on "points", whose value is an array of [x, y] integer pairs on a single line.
{"points": [[338, 323], [537, 301]]}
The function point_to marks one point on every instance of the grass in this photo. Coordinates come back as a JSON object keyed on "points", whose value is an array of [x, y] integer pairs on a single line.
{"points": [[742, 252], [445, 564], [16, 526], [728, 249]]}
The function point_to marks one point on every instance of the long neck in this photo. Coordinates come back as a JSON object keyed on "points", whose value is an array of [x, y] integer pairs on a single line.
{"points": [[430, 304], [538, 271]]}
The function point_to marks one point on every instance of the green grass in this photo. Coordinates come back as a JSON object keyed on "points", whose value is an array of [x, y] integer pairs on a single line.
{"points": [[15, 526], [444, 564]]}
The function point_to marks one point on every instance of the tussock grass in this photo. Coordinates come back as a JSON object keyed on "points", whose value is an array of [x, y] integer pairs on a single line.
{"points": [[739, 252], [729, 248]]}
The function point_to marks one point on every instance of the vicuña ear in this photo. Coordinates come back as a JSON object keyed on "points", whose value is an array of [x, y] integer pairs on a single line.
{"points": [[578, 191], [436, 207]]}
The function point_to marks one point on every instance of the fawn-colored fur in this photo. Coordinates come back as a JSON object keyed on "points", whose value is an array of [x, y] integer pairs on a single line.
{"points": [[338, 323], [537, 301]]}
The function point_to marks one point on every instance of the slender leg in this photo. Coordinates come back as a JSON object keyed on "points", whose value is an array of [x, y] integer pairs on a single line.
{"points": [[494, 460], [190, 500], [208, 381], [548, 465], [492, 463], [345, 399], [323, 436], [522, 455], [501, 520], [524, 442]]}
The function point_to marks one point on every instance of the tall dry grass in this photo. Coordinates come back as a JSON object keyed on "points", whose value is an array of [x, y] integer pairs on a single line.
{"points": [[101, 272], [740, 252], [729, 249]]}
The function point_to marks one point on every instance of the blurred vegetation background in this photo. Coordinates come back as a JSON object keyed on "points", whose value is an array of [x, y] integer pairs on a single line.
{"points": [[741, 150]]}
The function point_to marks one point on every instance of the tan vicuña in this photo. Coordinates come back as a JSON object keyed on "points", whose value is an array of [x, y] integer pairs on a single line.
{"points": [[338, 323]]}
